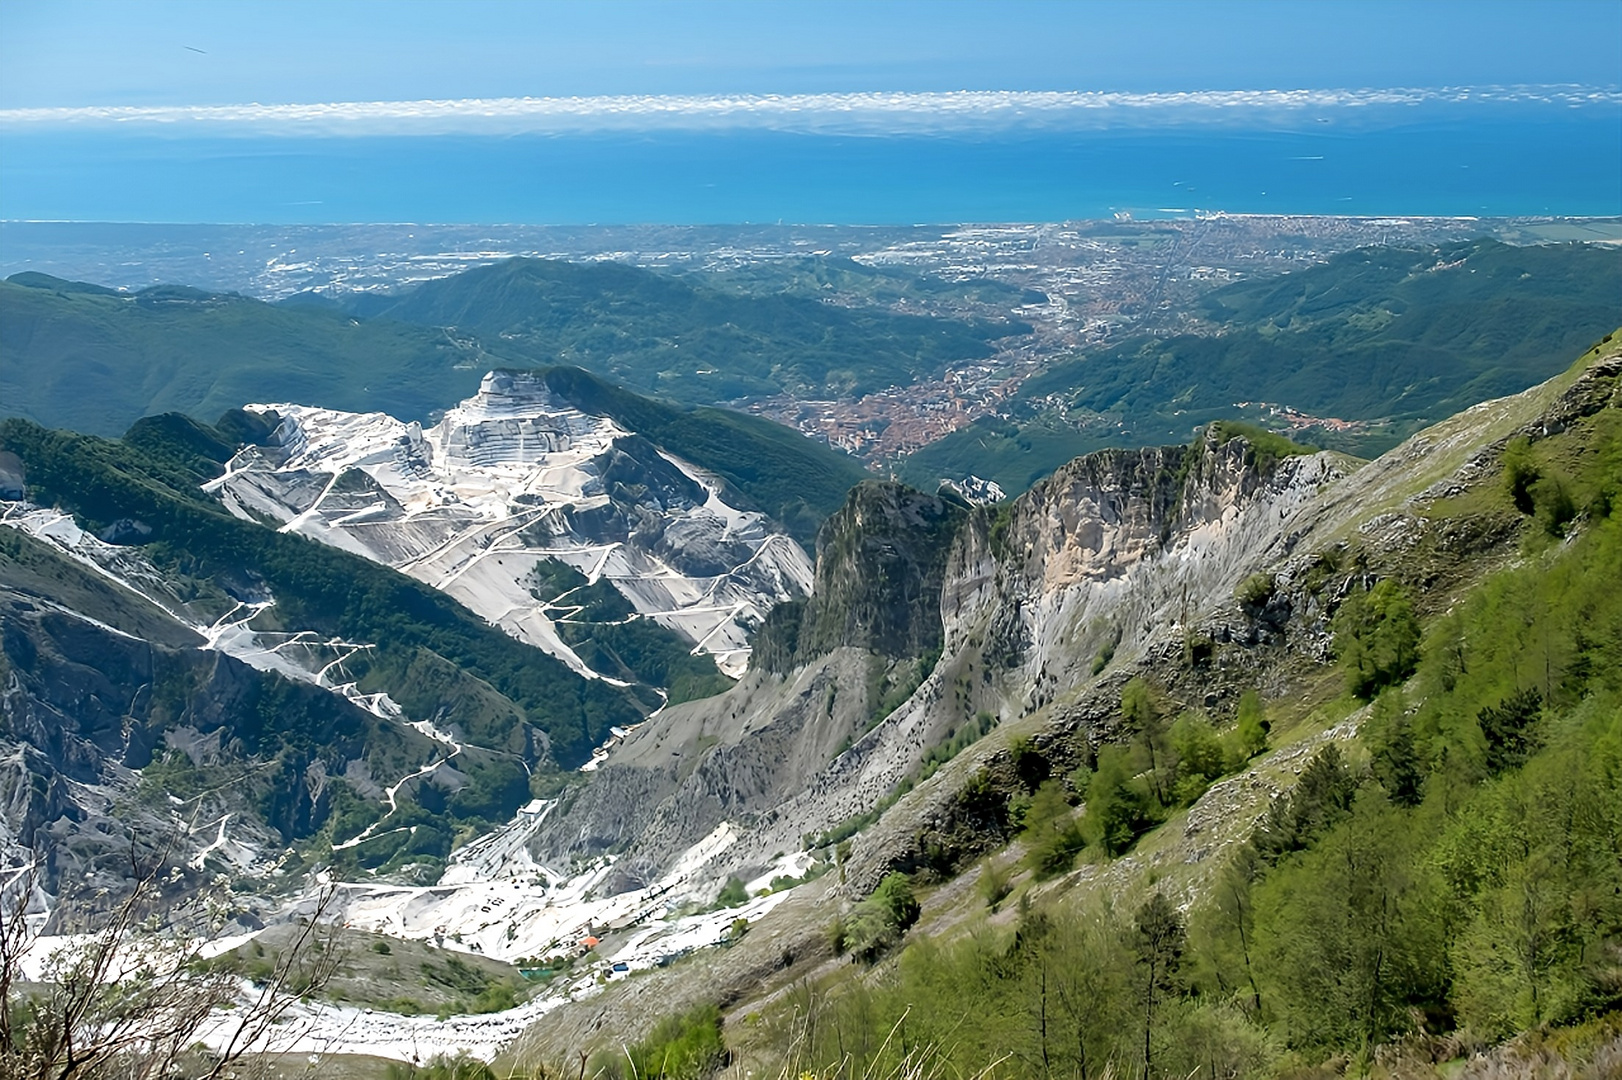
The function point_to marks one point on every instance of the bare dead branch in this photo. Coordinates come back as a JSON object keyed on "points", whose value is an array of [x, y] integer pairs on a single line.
{"points": [[132, 1001]]}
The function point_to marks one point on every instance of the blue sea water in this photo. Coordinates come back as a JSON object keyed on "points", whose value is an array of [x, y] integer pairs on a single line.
{"points": [[1509, 163]]}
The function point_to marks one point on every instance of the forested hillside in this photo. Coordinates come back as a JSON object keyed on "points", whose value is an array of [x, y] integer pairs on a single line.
{"points": [[93, 360], [682, 340]]}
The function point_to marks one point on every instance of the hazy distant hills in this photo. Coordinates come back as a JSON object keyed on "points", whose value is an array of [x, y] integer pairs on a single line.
{"points": [[1388, 338], [95, 361], [173, 348], [666, 335]]}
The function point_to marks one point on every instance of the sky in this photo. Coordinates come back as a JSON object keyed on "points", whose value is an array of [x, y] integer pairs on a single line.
{"points": [[631, 110], [72, 53]]}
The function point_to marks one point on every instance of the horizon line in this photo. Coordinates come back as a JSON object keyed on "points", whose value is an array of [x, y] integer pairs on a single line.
{"points": [[867, 112]]}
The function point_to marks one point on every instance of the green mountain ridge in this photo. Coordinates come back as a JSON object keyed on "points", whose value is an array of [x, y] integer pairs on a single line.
{"points": [[95, 361], [154, 485]]}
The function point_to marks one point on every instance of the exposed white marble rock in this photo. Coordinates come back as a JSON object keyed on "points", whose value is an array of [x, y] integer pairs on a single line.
{"points": [[512, 476]]}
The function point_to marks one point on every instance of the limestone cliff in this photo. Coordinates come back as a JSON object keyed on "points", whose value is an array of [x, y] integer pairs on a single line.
{"points": [[1119, 559], [881, 561], [1119, 556], [823, 672]]}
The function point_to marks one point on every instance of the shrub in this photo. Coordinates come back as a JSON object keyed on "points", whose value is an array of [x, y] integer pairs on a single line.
{"points": [[1199, 755], [994, 883], [1520, 473], [1256, 590], [1250, 733], [1376, 639], [1118, 809], [684, 1047], [460, 1067], [732, 894], [895, 893], [879, 921], [1052, 834], [868, 932], [1506, 727]]}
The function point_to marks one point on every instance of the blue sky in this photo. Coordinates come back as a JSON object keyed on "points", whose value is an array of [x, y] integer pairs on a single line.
{"points": [[567, 112], [60, 54]]}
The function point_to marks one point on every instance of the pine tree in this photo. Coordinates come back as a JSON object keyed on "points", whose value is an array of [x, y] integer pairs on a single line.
{"points": [[1158, 942]]}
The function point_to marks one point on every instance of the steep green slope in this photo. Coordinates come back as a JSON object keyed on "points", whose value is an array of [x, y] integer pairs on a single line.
{"points": [[92, 360], [1390, 338], [429, 650], [1449, 880], [668, 335]]}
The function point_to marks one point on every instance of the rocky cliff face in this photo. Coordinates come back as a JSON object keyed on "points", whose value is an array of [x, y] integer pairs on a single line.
{"points": [[1116, 551], [880, 566], [823, 669], [1119, 558]]}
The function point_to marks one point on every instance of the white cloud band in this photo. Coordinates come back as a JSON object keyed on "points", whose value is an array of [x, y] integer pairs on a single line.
{"points": [[865, 113]]}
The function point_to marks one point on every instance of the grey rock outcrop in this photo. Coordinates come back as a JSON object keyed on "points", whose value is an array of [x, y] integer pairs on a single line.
{"points": [[1042, 605]]}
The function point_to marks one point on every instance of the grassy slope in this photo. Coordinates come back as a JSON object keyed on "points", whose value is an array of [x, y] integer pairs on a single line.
{"points": [[1317, 709], [411, 977], [34, 568]]}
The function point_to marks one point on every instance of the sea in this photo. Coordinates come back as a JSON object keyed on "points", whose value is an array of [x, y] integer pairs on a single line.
{"points": [[1488, 162]]}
